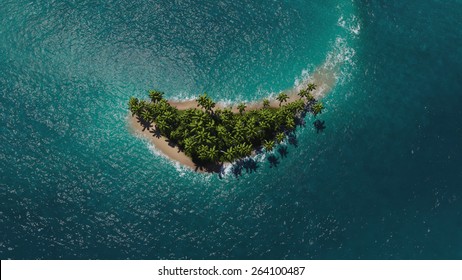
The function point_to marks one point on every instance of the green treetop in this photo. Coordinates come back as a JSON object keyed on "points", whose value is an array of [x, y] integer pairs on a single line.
{"points": [[241, 107], [155, 95], [282, 97], [311, 87], [317, 108], [205, 102]]}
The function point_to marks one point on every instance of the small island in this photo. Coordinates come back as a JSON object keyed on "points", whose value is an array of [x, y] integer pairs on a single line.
{"points": [[210, 135]]}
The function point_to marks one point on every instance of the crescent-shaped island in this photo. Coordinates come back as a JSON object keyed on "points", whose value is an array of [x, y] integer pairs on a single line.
{"points": [[204, 135]]}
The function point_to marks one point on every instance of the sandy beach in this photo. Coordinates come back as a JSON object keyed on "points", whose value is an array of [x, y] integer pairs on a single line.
{"points": [[323, 77]]}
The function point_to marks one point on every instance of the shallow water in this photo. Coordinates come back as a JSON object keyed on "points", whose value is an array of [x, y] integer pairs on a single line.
{"points": [[382, 181]]}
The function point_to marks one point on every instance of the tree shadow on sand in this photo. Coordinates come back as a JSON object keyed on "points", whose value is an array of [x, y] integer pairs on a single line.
{"points": [[156, 132], [145, 124]]}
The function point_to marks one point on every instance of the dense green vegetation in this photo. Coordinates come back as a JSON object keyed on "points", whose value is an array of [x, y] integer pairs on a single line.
{"points": [[210, 135]]}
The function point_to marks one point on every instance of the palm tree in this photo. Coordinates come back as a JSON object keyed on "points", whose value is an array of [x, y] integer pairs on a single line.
{"points": [[269, 145], [176, 135], [133, 104], [303, 93], [163, 106], [209, 105], [221, 131], [226, 117], [252, 130], [163, 125], [195, 126], [266, 103], [146, 116], [168, 115], [205, 102], [155, 95], [282, 97], [241, 107], [311, 87], [239, 130], [229, 155], [203, 136], [190, 145], [317, 108], [202, 99], [244, 149], [281, 116], [210, 125], [212, 154], [280, 137], [266, 119], [309, 97], [202, 152], [207, 154], [296, 106], [138, 108], [290, 123]]}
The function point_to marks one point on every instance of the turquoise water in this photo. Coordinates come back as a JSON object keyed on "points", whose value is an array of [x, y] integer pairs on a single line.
{"points": [[383, 181]]}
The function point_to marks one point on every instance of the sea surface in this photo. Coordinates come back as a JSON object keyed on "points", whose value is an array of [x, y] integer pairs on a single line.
{"points": [[382, 181]]}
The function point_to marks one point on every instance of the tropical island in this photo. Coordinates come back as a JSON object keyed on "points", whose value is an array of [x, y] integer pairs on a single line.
{"points": [[205, 135]]}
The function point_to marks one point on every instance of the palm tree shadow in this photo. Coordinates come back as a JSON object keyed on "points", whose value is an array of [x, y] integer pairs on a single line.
{"points": [[236, 169], [319, 125], [273, 160], [156, 132], [300, 122], [292, 139], [259, 151], [211, 168], [282, 150], [248, 164], [145, 124]]}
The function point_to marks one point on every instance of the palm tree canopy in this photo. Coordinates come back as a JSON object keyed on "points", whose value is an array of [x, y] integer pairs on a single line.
{"points": [[310, 97], [241, 107], [317, 108], [282, 97], [303, 93], [268, 144], [311, 87], [205, 102], [280, 137], [155, 95]]}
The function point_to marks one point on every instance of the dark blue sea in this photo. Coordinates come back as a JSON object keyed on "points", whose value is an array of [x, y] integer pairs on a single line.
{"points": [[382, 181]]}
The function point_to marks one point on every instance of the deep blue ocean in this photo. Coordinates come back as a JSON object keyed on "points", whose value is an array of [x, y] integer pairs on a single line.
{"points": [[382, 181]]}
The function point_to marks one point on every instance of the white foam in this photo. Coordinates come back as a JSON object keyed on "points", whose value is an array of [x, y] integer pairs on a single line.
{"points": [[338, 64], [350, 24], [182, 170]]}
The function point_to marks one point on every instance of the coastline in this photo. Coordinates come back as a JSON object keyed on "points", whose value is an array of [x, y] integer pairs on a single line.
{"points": [[323, 77], [160, 142]]}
